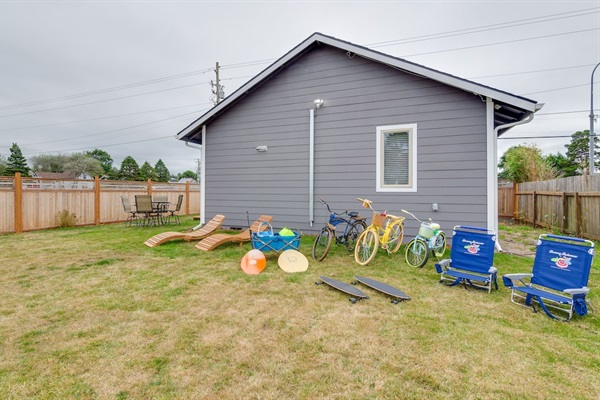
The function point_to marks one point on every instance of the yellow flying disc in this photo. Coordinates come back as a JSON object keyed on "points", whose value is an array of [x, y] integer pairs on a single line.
{"points": [[292, 261]]}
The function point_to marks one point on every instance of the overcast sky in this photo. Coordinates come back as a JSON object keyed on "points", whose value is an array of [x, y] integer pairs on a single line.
{"points": [[126, 76]]}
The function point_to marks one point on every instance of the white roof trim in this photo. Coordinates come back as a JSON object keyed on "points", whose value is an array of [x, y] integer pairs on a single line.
{"points": [[450, 80]]}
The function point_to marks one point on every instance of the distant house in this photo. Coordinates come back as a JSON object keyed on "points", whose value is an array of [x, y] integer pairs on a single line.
{"points": [[60, 175], [186, 180], [341, 121], [63, 180]]}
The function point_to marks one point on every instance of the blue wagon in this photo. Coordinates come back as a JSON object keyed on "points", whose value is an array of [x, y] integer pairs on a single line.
{"points": [[267, 240]]}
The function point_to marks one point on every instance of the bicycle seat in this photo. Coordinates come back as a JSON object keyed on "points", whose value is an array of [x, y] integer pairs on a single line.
{"points": [[353, 214]]}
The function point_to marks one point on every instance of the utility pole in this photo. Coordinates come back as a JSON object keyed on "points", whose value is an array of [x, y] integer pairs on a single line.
{"points": [[217, 88], [592, 137]]}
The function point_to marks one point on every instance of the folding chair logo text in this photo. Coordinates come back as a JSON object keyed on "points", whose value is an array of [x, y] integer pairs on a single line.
{"points": [[563, 261], [472, 246]]}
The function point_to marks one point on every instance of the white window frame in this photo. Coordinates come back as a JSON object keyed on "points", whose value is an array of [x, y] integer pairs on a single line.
{"points": [[411, 129]]}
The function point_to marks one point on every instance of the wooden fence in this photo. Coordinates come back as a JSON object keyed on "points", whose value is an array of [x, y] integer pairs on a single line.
{"points": [[33, 203], [570, 205]]}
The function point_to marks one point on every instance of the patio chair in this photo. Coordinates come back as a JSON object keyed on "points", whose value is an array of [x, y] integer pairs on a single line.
{"points": [[471, 259], [209, 243], [132, 214], [143, 206], [559, 278], [207, 229], [162, 198], [172, 211]]}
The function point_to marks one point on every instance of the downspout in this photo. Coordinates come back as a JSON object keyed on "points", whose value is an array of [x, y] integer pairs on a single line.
{"points": [[311, 168], [494, 158], [201, 148]]}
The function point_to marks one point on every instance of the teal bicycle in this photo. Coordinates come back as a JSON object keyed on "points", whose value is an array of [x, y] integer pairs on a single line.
{"points": [[430, 240]]}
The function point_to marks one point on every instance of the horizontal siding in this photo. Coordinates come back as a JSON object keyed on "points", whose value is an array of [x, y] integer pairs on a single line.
{"points": [[359, 96]]}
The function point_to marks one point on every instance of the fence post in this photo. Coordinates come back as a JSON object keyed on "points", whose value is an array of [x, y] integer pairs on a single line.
{"points": [[577, 215], [18, 183], [149, 186], [515, 201], [97, 200], [534, 207], [187, 198], [563, 225]]}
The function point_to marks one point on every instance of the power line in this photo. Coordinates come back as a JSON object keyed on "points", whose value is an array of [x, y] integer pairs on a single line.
{"points": [[531, 72], [485, 28], [100, 91], [112, 130], [466, 31], [101, 118], [103, 101], [498, 43]]}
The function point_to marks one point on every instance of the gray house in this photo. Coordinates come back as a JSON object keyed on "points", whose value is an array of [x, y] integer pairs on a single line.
{"points": [[341, 121]]}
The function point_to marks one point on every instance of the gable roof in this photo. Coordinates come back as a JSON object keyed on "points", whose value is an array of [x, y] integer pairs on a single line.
{"points": [[508, 107]]}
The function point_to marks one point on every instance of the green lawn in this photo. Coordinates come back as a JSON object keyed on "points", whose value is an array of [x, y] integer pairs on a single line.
{"points": [[92, 313]]}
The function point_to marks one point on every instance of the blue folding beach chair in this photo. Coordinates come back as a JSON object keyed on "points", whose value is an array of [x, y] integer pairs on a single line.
{"points": [[561, 270], [471, 259]]}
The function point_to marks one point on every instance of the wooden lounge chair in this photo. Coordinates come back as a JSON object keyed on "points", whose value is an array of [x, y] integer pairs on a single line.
{"points": [[209, 243], [201, 233]]}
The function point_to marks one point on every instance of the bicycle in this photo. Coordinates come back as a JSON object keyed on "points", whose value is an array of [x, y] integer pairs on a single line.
{"points": [[355, 225], [429, 240], [385, 229]]}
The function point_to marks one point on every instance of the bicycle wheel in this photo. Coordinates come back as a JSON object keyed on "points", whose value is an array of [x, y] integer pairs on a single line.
{"points": [[355, 230], [322, 244], [439, 246], [417, 253], [395, 237], [366, 247]]}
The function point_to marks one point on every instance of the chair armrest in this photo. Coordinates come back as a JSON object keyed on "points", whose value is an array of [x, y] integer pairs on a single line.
{"points": [[582, 290], [509, 280], [516, 277], [439, 267], [492, 270]]}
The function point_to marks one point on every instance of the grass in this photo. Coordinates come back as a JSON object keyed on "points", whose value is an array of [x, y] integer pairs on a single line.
{"points": [[92, 313]]}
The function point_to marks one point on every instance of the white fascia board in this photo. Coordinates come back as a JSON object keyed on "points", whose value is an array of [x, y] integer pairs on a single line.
{"points": [[433, 74], [528, 105]]}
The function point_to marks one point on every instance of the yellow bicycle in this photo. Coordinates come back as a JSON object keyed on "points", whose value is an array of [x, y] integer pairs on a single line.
{"points": [[385, 229]]}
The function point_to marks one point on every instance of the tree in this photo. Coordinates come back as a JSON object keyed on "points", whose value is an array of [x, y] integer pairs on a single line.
{"points": [[525, 163], [49, 162], [81, 163], [104, 158], [2, 165], [562, 165], [187, 174], [162, 173], [147, 172], [16, 162], [578, 151], [114, 174], [130, 170], [76, 163]]}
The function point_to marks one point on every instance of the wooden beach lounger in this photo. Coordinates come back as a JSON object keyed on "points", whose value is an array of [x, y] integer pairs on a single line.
{"points": [[209, 243], [201, 233]]}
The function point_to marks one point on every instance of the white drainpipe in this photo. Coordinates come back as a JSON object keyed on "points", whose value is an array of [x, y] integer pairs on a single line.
{"points": [[311, 168], [201, 148], [494, 157]]}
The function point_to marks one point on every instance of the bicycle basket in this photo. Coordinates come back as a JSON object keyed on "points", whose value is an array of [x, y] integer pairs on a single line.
{"points": [[379, 220], [426, 230]]}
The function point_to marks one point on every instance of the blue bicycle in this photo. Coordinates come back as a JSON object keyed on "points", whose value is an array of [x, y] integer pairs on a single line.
{"points": [[354, 226]]}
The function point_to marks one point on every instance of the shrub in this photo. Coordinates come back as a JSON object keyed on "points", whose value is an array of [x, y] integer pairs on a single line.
{"points": [[66, 219]]}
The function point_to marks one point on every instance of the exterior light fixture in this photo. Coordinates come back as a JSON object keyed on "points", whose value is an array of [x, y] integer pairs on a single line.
{"points": [[318, 103], [261, 149]]}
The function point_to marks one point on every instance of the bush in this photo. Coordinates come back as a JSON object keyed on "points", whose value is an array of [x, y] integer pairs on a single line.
{"points": [[66, 219]]}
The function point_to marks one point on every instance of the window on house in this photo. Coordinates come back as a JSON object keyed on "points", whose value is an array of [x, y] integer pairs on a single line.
{"points": [[397, 158]]}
